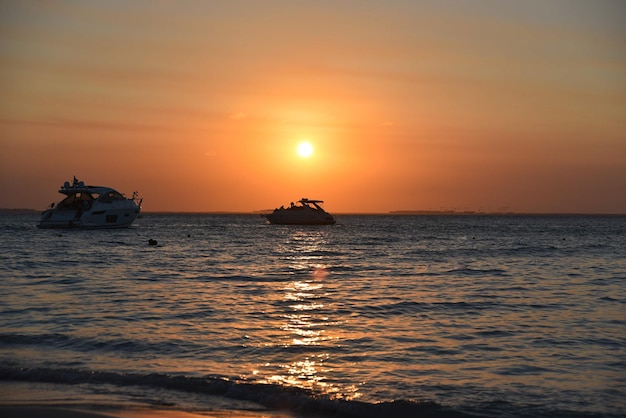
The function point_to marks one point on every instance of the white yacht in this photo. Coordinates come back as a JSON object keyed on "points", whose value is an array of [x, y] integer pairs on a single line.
{"points": [[91, 207], [304, 212]]}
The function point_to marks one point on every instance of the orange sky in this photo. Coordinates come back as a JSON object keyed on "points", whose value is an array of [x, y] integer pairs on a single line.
{"points": [[200, 105]]}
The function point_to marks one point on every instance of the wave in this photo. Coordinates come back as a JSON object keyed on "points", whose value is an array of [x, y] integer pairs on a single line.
{"points": [[88, 345], [275, 397], [404, 308], [468, 272], [293, 400]]}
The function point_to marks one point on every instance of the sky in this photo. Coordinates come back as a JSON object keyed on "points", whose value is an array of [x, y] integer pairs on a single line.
{"points": [[200, 105]]}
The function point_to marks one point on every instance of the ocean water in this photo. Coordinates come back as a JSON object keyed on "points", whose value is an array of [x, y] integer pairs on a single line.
{"points": [[489, 316]]}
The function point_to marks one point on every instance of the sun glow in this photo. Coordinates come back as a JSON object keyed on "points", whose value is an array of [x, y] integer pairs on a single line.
{"points": [[305, 149]]}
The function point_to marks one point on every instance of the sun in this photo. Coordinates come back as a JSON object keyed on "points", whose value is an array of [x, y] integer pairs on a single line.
{"points": [[305, 149]]}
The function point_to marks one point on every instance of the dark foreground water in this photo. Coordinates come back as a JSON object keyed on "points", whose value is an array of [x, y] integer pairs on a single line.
{"points": [[494, 316]]}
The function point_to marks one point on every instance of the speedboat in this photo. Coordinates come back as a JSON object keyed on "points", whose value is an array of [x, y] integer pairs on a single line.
{"points": [[304, 212], [90, 207]]}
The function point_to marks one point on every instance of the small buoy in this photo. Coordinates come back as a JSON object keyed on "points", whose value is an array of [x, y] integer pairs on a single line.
{"points": [[152, 241]]}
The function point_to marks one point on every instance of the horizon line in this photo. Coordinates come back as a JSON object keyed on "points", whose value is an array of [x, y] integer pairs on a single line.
{"points": [[388, 213]]}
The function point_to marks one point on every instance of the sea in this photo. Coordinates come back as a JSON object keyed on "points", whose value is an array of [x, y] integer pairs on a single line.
{"points": [[377, 316]]}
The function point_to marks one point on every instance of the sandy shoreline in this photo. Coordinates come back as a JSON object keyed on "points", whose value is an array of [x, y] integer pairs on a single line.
{"points": [[35, 411], [47, 400]]}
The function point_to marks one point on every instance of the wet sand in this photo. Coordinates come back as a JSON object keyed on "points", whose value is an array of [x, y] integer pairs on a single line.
{"points": [[45, 400], [28, 411]]}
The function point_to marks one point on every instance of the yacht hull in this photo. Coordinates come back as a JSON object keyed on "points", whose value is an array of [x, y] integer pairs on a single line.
{"points": [[64, 219]]}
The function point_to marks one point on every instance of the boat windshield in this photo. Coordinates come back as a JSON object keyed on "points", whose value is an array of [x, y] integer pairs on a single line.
{"points": [[110, 196], [76, 200]]}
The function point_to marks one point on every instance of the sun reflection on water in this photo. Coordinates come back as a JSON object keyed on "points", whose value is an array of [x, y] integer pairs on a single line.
{"points": [[309, 328]]}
